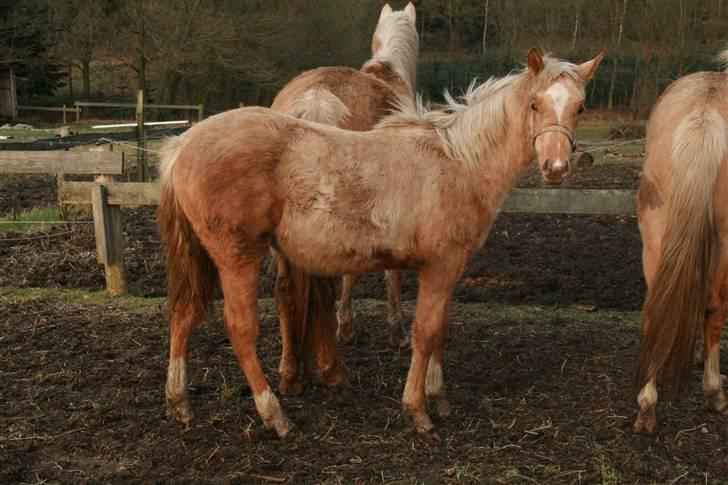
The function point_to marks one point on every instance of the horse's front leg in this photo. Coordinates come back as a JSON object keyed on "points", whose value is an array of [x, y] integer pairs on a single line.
{"points": [[428, 336]]}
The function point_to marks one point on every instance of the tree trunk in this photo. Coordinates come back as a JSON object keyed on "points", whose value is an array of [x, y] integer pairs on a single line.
{"points": [[141, 49], [577, 20], [612, 82], [485, 25], [633, 99], [173, 87], [70, 82], [681, 35], [451, 24], [86, 73]]}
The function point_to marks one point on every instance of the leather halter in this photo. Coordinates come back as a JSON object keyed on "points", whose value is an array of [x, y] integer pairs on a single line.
{"points": [[557, 129]]}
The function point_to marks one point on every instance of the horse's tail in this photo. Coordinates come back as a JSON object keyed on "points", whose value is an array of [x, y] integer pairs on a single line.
{"points": [[191, 274], [675, 304], [314, 320], [314, 297]]}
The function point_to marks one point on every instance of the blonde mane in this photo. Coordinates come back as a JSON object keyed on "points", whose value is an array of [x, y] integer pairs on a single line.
{"points": [[398, 34], [471, 127], [723, 59]]}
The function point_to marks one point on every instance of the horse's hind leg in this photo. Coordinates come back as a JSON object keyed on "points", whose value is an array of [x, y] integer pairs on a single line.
{"points": [[717, 309], [395, 316], [240, 287], [345, 332], [651, 228], [181, 323], [288, 367]]}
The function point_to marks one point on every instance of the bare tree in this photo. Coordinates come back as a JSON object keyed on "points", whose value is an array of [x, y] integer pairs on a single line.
{"points": [[577, 20], [485, 24], [620, 23]]}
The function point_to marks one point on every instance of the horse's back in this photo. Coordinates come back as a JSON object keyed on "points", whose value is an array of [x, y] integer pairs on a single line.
{"points": [[365, 98]]}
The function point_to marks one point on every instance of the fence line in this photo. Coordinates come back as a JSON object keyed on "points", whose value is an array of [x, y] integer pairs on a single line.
{"points": [[106, 198]]}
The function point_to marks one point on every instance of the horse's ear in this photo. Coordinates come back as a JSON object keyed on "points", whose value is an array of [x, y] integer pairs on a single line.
{"points": [[535, 61], [386, 10], [586, 70], [410, 10]]}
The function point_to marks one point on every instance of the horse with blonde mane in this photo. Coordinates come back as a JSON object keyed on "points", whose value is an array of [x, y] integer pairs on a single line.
{"points": [[683, 218], [419, 191], [352, 100]]}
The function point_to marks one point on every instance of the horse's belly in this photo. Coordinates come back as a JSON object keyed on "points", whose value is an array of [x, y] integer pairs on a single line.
{"points": [[339, 250]]}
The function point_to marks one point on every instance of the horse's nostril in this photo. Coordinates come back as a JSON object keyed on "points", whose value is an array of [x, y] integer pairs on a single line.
{"points": [[547, 165]]}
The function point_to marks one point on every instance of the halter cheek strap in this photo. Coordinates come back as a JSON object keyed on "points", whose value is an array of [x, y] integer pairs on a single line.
{"points": [[557, 129]]}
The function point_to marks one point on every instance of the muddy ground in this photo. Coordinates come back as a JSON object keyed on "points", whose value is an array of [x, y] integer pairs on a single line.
{"points": [[539, 396], [543, 339]]}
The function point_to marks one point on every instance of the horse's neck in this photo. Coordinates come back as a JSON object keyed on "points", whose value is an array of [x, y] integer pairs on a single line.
{"points": [[511, 155]]}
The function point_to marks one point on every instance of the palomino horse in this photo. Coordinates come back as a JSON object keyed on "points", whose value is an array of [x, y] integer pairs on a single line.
{"points": [[683, 216], [353, 100], [418, 191]]}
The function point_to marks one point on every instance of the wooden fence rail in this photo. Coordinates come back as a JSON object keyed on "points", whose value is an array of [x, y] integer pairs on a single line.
{"points": [[106, 198]]}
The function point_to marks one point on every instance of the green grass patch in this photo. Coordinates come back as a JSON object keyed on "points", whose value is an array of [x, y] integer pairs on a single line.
{"points": [[31, 220], [594, 129], [134, 304]]}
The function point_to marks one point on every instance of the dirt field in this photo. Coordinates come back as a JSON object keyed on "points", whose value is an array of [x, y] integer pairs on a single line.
{"points": [[538, 395], [543, 339]]}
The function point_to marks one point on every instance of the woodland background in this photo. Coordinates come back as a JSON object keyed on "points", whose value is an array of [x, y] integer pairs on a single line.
{"points": [[223, 52]]}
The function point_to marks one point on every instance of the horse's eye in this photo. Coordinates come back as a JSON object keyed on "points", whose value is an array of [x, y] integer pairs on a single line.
{"points": [[533, 107], [581, 109]]}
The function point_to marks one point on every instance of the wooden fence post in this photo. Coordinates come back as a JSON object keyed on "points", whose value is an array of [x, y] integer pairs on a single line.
{"points": [[78, 113], [109, 236], [64, 114], [141, 135], [200, 112]]}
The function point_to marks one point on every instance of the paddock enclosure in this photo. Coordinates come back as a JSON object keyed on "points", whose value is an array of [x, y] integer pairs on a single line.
{"points": [[542, 344]]}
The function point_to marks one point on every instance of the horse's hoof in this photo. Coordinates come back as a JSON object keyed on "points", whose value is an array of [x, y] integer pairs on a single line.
{"points": [[280, 423], [288, 432], [290, 387], [423, 424], [333, 378], [345, 337], [442, 407], [399, 340], [699, 357], [180, 410], [717, 402], [645, 425]]}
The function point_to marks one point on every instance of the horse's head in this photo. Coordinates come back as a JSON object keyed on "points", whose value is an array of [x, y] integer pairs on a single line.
{"points": [[555, 103], [396, 40]]}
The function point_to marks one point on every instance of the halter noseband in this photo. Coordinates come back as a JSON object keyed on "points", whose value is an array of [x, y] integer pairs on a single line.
{"points": [[558, 129]]}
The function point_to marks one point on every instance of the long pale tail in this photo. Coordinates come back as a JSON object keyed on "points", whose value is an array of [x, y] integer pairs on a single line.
{"points": [[320, 106], [191, 275], [675, 304], [314, 297], [314, 320]]}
